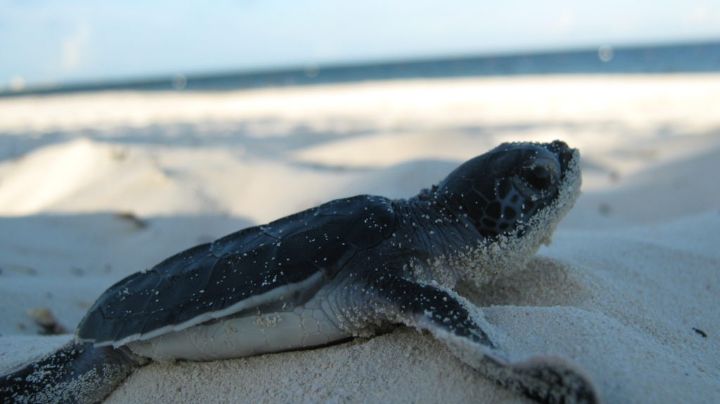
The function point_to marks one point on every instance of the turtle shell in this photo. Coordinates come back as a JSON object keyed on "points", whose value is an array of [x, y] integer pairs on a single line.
{"points": [[239, 272]]}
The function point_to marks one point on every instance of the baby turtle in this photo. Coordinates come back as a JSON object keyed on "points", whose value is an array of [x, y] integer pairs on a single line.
{"points": [[346, 268]]}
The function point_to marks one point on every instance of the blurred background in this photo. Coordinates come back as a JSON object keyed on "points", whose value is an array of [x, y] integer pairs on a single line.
{"points": [[48, 43]]}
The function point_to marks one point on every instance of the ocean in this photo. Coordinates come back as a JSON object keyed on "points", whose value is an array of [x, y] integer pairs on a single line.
{"points": [[680, 58]]}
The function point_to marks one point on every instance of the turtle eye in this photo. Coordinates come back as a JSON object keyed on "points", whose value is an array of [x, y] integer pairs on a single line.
{"points": [[538, 176]]}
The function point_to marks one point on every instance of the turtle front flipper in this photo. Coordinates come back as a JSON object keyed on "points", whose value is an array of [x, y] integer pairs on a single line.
{"points": [[75, 373], [460, 325]]}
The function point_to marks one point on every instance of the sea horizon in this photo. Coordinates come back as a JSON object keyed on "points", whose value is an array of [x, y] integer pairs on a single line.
{"points": [[687, 57]]}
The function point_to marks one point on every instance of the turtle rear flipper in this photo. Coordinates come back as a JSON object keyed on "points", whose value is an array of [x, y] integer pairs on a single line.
{"points": [[460, 325], [75, 373]]}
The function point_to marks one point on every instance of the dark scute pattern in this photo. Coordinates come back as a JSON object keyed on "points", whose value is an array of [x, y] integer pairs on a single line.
{"points": [[214, 276], [503, 188]]}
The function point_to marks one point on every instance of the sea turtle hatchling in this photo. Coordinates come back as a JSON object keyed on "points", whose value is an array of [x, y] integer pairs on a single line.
{"points": [[346, 268]]}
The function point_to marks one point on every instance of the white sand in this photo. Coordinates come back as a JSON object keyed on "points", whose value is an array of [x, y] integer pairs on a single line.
{"points": [[634, 268]]}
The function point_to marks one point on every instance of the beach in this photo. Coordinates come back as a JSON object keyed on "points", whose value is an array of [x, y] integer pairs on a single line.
{"points": [[96, 186]]}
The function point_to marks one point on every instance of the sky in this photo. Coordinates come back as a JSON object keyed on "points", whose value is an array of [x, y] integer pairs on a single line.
{"points": [[44, 41]]}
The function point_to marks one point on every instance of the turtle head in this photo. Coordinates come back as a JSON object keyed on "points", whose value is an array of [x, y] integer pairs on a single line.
{"points": [[513, 188]]}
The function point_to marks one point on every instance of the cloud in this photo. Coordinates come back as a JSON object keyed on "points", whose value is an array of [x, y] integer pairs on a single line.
{"points": [[564, 22], [74, 48]]}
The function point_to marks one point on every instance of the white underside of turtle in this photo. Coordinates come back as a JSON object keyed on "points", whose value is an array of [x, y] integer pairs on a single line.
{"points": [[234, 337]]}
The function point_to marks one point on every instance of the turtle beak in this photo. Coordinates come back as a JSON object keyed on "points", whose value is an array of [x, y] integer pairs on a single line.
{"points": [[564, 153]]}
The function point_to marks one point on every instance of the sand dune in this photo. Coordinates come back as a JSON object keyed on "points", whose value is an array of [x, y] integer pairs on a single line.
{"points": [[95, 187]]}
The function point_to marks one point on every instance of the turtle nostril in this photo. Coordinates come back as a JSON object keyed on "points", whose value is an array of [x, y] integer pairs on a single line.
{"points": [[559, 146], [563, 152], [565, 158]]}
